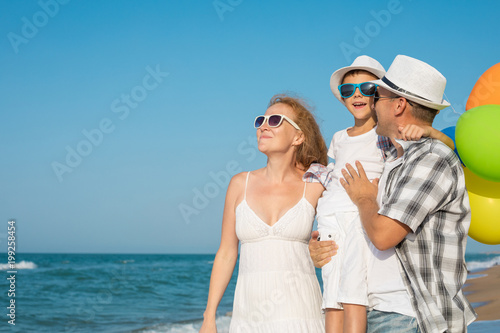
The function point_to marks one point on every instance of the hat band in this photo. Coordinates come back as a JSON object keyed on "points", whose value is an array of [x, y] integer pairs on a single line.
{"points": [[395, 87]]}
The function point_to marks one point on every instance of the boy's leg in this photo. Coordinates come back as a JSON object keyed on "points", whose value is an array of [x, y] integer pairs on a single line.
{"points": [[354, 318], [334, 320], [391, 322]]}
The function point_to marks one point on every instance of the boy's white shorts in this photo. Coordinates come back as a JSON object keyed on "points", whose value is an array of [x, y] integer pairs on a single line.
{"points": [[344, 277]]}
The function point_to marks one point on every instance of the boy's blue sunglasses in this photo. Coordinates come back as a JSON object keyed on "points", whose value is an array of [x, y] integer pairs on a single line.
{"points": [[366, 88]]}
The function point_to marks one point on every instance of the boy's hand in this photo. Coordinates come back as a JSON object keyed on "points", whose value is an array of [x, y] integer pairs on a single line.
{"points": [[414, 132], [321, 252]]}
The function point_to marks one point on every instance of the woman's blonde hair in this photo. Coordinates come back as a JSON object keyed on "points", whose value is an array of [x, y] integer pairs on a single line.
{"points": [[313, 148]]}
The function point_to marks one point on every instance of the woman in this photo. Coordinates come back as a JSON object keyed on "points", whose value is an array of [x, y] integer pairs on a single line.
{"points": [[271, 211]]}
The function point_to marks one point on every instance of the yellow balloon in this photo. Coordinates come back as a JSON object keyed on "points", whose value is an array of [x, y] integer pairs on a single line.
{"points": [[485, 223], [484, 198], [481, 186]]}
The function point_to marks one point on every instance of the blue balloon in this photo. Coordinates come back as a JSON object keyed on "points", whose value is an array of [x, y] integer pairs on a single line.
{"points": [[450, 131]]}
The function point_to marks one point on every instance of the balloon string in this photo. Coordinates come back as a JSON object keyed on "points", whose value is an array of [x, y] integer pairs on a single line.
{"points": [[454, 111]]}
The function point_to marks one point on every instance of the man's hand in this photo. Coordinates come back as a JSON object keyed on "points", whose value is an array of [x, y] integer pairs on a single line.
{"points": [[321, 252], [384, 232], [358, 186]]}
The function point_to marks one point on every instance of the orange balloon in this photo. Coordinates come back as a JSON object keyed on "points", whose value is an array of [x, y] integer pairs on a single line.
{"points": [[486, 90]]}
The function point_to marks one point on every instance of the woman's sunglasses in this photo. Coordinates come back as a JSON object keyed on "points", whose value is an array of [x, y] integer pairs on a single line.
{"points": [[273, 120], [366, 88]]}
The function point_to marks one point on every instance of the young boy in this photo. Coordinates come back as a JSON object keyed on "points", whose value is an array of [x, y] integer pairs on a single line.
{"points": [[345, 294]]}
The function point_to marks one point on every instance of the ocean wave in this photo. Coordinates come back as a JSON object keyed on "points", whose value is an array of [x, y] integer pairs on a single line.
{"points": [[188, 326], [480, 265], [126, 261], [18, 265]]}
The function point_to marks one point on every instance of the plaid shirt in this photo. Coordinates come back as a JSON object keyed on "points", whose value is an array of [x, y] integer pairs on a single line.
{"points": [[427, 193], [385, 145]]}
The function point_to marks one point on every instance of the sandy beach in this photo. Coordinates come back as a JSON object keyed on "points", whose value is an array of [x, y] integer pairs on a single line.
{"points": [[484, 293]]}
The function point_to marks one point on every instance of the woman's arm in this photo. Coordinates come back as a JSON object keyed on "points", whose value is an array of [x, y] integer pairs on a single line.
{"points": [[314, 192], [225, 259]]}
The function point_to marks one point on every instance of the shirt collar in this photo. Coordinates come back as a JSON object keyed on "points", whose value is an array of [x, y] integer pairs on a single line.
{"points": [[406, 144]]}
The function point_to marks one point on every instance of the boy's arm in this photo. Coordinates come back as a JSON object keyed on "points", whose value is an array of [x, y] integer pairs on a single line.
{"points": [[415, 132]]}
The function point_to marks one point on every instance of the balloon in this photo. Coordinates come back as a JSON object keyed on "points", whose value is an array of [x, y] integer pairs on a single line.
{"points": [[481, 186], [484, 199], [486, 90], [450, 132], [485, 222], [478, 141]]}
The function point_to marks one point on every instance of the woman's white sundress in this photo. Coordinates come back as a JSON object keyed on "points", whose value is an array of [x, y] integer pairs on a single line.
{"points": [[277, 289]]}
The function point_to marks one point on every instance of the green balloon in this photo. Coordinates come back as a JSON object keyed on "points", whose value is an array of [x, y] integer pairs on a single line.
{"points": [[477, 137]]}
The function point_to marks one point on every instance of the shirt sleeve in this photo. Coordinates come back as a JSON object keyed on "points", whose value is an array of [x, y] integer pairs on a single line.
{"points": [[418, 189], [318, 173], [331, 149]]}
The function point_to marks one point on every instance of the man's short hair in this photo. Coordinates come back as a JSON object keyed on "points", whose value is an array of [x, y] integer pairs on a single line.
{"points": [[422, 112]]}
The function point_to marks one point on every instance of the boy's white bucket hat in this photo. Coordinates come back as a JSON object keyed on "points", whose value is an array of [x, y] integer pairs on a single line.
{"points": [[415, 80], [363, 62]]}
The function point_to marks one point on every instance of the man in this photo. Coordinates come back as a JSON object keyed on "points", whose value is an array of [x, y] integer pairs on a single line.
{"points": [[418, 221]]}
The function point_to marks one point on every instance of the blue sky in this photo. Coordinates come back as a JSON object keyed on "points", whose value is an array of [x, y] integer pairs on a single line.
{"points": [[122, 120]]}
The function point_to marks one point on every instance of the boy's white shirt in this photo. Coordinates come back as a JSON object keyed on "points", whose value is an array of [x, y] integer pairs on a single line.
{"points": [[386, 290], [346, 149]]}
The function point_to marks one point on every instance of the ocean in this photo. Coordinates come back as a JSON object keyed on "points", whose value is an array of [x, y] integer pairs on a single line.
{"points": [[127, 293]]}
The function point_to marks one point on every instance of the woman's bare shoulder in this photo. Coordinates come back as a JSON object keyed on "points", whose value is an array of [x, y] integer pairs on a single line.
{"points": [[238, 181]]}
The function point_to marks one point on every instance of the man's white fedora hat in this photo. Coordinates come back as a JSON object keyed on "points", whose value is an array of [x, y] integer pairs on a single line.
{"points": [[363, 62], [415, 80]]}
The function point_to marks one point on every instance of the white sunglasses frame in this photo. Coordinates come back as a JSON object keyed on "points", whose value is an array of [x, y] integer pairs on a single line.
{"points": [[266, 119]]}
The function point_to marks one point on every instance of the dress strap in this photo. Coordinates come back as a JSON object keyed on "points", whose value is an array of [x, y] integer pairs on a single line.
{"points": [[304, 194], [246, 184]]}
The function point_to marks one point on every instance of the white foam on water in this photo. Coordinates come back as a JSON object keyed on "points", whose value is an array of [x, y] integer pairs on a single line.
{"points": [[223, 327], [18, 265], [190, 327], [479, 265], [126, 261]]}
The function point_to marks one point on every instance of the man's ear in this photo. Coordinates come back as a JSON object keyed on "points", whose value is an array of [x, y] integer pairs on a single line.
{"points": [[401, 107]]}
